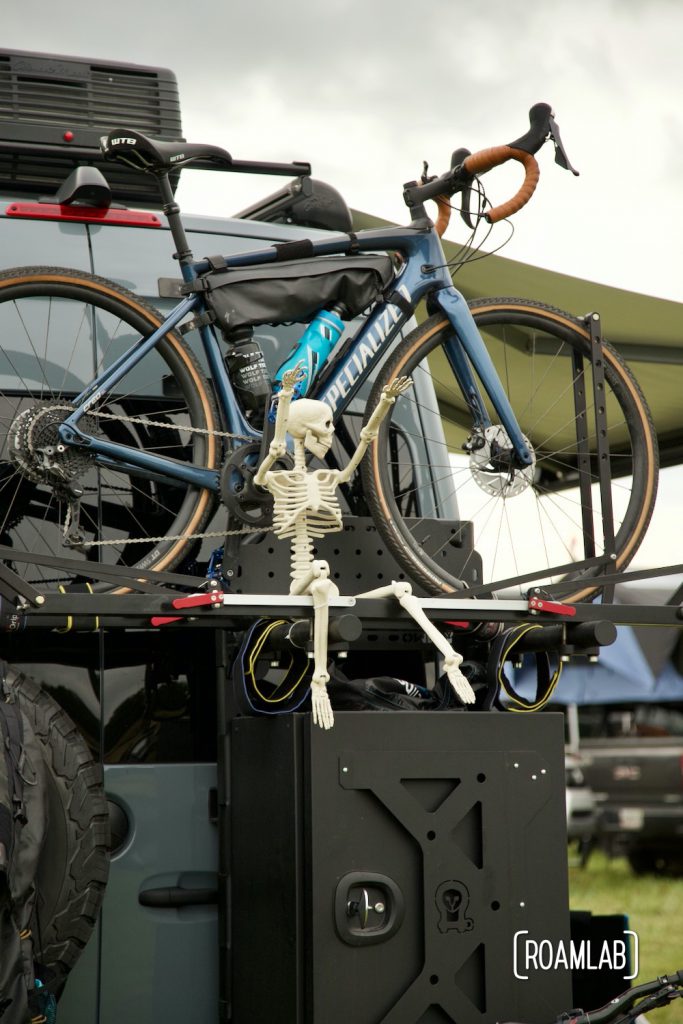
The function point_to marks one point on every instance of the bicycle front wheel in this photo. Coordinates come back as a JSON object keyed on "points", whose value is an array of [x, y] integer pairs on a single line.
{"points": [[58, 330], [504, 522]]}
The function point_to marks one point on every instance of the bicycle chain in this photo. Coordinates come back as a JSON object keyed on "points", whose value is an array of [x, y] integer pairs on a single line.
{"points": [[143, 421], [169, 426], [155, 423], [170, 537]]}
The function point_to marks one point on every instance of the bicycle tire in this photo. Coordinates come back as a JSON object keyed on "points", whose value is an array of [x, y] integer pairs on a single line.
{"points": [[57, 328], [518, 333], [73, 868]]}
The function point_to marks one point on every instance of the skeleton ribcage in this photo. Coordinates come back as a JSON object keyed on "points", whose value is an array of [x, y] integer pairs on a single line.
{"points": [[305, 499]]}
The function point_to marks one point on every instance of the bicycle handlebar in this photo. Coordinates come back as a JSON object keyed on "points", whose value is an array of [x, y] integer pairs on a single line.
{"points": [[486, 159], [649, 996], [479, 163], [542, 126]]}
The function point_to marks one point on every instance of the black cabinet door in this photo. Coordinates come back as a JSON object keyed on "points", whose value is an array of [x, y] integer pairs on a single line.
{"points": [[390, 870]]}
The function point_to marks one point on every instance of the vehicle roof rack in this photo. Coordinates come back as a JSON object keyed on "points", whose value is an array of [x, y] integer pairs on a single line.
{"points": [[54, 109], [305, 202]]}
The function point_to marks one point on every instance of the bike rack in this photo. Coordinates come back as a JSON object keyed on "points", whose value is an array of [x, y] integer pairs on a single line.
{"points": [[154, 599], [159, 599]]}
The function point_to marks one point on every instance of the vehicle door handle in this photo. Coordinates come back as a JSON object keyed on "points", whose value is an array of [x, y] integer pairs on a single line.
{"points": [[171, 896]]}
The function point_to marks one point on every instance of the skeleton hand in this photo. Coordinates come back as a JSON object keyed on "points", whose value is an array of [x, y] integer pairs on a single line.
{"points": [[389, 395], [457, 680], [290, 378], [320, 704], [278, 446], [396, 387]]}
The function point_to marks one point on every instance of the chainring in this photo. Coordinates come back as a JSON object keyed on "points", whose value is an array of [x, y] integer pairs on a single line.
{"points": [[244, 500]]}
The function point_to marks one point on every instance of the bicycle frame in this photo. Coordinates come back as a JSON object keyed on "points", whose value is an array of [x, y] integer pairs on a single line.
{"points": [[424, 274]]}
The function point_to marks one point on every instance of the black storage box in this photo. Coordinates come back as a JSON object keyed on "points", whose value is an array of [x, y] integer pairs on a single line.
{"points": [[384, 871]]}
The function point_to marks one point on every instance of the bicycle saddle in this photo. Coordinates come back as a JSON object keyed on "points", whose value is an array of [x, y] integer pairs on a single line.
{"points": [[144, 154]]}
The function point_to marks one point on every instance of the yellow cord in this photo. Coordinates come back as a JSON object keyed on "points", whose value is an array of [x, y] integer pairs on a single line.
{"points": [[69, 619], [522, 705], [253, 659], [97, 618]]}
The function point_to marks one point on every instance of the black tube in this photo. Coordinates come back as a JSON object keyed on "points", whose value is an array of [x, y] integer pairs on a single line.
{"points": [[342, 629], [580, 634]]}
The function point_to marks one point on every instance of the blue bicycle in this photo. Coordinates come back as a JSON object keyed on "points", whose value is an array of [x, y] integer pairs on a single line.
{"points": [[129, 469]]}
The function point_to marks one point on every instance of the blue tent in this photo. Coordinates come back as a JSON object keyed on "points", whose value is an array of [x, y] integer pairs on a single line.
{"points": [[637, 667], [621, 674]]}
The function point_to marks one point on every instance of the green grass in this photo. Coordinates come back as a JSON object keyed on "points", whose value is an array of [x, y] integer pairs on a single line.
{"points": [[655, 910]]}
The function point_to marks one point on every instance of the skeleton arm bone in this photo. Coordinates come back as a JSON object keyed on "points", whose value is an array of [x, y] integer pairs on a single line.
{"points": [[369, 432], [278, 447]]}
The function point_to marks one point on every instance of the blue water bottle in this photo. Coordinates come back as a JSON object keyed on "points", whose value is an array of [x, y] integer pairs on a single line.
{"points": [[313, 348]]}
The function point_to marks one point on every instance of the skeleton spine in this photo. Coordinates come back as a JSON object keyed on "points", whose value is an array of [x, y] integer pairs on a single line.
{"points": [[301, 551]]}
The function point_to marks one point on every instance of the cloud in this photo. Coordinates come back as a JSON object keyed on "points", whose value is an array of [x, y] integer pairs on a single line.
{"points": [[367, 89]]}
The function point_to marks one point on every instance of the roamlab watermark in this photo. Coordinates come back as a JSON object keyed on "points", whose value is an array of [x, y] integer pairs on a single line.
{"points": [[544, 955]]}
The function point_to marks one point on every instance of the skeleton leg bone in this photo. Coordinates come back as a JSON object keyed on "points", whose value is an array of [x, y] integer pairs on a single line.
{"points": [[316, 582], [403, 593]]}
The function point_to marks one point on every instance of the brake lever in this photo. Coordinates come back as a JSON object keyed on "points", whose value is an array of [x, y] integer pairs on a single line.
{"points": [[458, 157], [561, 157]]}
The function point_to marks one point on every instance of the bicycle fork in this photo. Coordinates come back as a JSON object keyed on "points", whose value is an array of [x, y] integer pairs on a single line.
{"points": [[466, 350]]}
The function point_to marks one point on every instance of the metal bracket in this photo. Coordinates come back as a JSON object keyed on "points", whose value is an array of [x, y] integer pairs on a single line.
{"points": [[602, 443]]}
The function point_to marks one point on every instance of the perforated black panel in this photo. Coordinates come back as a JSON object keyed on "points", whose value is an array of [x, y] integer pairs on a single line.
{"points": [[358, 557]]}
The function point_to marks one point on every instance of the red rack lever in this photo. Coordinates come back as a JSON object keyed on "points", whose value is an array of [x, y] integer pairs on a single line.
{"points": [[214, 598], [541, 604]]}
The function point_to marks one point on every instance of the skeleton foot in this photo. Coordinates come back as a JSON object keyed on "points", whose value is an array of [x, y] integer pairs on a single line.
{"points": [[320, 703], [457, 680]]}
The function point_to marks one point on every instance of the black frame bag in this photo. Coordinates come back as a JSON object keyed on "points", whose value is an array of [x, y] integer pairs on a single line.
{"points": [[295, 290]]}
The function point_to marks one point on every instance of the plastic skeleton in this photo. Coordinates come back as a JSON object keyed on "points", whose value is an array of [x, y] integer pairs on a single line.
{"points": [[306, 507]]}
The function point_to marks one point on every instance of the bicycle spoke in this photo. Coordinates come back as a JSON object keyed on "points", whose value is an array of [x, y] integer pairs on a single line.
{"points": [[522, 519], [58, 329]]}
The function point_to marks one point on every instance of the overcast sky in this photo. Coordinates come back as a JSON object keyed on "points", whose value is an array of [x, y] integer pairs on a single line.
{"points": [[367, 89]]}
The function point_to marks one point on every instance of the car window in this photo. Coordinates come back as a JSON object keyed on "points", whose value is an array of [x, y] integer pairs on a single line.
{"points": [[133, 701]]}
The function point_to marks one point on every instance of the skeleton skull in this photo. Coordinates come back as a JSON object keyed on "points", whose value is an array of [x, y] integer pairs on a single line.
{"points": [[311, 422]]}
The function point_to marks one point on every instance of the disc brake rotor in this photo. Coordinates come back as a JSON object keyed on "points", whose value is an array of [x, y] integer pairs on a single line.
{"points": [[493, 467]]}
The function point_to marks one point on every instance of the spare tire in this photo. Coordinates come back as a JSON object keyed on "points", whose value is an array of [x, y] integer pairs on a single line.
{"points": [[74, 862]]}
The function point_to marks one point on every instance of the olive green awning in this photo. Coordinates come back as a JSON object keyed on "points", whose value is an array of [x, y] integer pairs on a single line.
{"points": [[647, 332]]}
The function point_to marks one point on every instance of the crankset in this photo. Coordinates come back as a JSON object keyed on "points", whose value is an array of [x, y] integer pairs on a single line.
{"points": [[244, 500]]}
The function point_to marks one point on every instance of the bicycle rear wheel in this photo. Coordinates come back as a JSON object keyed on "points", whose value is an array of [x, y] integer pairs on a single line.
{"points": [[521, 522], [58, 329]]}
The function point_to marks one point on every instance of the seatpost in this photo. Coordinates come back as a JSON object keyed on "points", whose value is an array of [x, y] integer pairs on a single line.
{"points": [[171, 209]]}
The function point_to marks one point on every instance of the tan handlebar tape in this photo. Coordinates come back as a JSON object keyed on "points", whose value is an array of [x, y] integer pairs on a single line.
{"points": [[444, 217], [486, 159]]}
